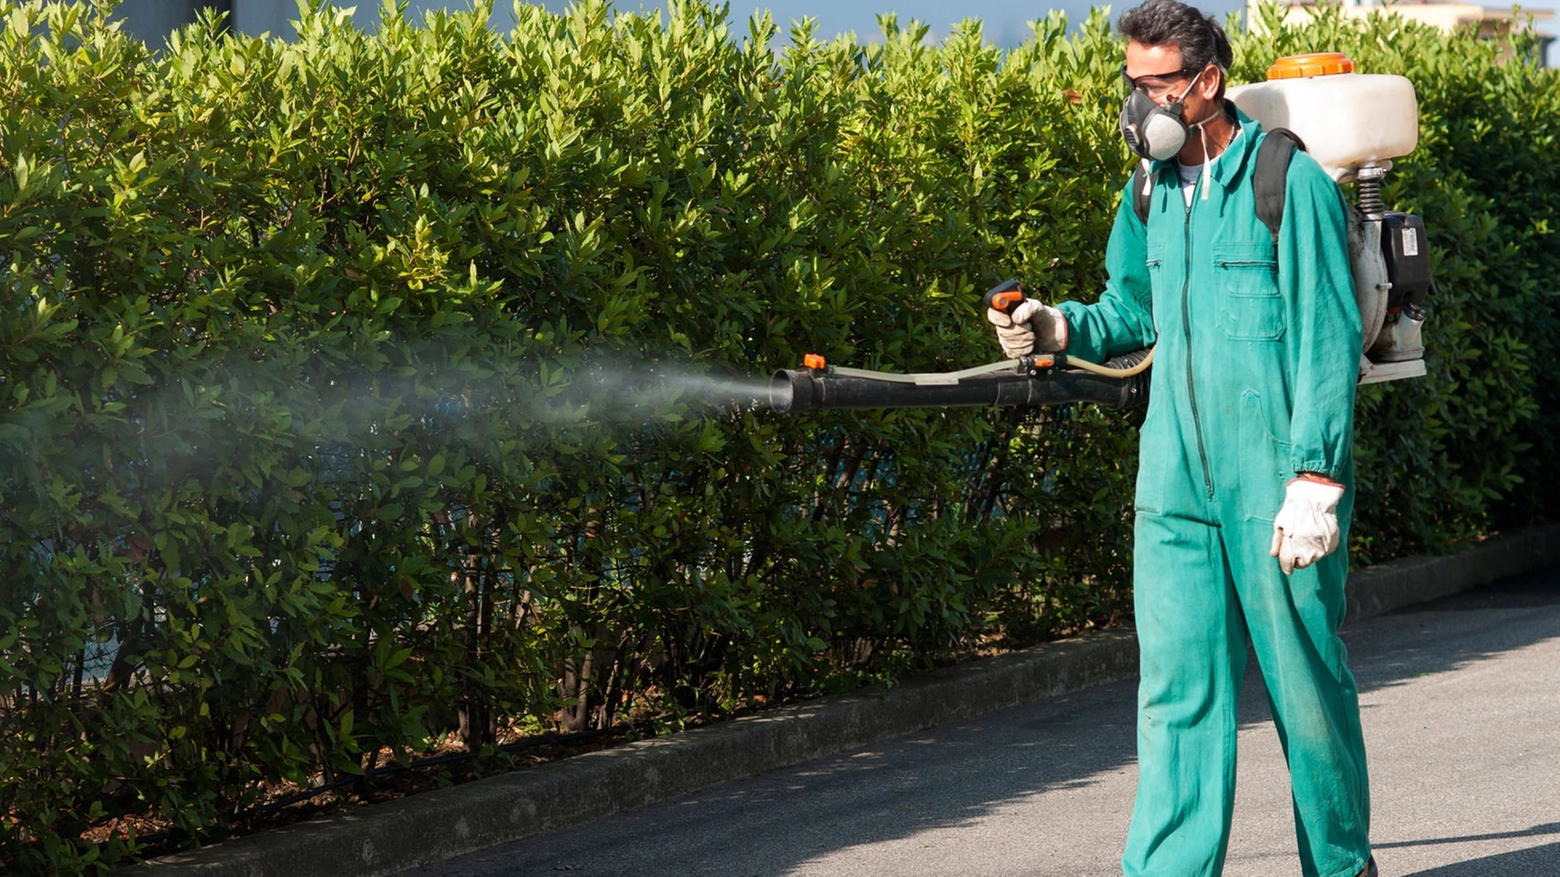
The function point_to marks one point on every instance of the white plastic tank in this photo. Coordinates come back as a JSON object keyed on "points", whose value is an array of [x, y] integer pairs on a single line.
{"points": [[1347, 120]]}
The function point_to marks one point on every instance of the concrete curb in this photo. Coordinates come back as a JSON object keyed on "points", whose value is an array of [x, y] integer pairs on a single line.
{"points": [[1385, 587], [433, 826]]}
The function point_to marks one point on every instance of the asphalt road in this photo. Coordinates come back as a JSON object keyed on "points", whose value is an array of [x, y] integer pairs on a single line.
{"points": [[1461, 709]]}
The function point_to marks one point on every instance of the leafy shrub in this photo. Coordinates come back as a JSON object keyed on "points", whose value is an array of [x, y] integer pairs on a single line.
{"points": [[338, 378]]}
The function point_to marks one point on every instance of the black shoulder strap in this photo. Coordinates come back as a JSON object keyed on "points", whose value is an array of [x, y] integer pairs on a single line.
{"points": [[1271, 175]]}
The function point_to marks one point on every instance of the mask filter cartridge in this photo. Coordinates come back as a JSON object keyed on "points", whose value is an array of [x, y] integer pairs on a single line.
{"points": [[1152, 131]]}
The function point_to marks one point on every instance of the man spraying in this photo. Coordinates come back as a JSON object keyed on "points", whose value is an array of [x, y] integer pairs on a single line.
{"points": [[1245, 479]]}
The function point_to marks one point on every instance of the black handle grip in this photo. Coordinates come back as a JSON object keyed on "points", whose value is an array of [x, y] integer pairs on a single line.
{"points": [[1005, 296]]}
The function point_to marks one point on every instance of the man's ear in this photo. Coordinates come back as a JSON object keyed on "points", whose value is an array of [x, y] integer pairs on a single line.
{"points": [[1208, 86]]}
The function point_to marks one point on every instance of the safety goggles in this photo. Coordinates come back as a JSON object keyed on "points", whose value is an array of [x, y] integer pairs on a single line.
{"points": [[1156, 85]]}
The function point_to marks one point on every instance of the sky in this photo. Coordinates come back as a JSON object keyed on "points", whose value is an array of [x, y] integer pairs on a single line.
{"points": [[1004, 20]]}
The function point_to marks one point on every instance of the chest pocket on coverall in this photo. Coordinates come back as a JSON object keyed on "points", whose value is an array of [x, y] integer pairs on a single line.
{"points": [[1246, 275]]}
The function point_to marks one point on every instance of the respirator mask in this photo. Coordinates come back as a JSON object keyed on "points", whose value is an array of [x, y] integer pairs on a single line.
{"points": [[1154, 132]]}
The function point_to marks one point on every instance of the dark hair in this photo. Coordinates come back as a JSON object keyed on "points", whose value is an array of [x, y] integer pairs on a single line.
{"points": [[1172, 23]]}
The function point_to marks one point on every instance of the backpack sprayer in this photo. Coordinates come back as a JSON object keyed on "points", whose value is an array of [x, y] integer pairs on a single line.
{"points": [[1352, 124]]}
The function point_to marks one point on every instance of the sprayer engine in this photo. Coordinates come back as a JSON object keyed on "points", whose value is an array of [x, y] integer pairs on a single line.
{"points": [[1391, 263]]}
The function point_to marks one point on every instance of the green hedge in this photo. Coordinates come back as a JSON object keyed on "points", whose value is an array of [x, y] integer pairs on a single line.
{"points": [[340, 415]]}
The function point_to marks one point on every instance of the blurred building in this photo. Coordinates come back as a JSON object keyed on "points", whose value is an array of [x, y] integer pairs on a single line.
{"points": [[1493, 22]]}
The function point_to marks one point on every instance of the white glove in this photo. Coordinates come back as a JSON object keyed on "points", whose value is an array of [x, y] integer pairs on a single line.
{"points": [[1306, 528], [1032, 328]]}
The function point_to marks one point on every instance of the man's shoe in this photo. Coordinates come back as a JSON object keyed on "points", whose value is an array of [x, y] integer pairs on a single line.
{"points": [[1370, 868]]}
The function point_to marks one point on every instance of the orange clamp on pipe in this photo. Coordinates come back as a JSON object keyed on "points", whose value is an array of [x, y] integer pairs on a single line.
{"points": [[814, 360]]}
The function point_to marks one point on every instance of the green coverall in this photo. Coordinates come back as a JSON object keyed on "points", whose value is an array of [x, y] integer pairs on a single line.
{"points": [[1258, 345]]}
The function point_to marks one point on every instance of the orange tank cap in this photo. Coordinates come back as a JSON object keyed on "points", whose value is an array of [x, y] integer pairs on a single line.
{"points": [[1314, 64], [813, 360]]}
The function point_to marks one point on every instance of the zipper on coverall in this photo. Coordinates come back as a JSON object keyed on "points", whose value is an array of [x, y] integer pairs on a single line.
{"points": [[1186, 325]]}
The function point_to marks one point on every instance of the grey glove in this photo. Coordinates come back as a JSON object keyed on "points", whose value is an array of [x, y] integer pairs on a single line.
{"points": [[1031, 328]]}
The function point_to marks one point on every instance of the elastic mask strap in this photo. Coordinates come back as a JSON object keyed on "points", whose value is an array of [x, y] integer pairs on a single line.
{"points": [[1189, 86], [1202, 132], [1207, 160]]}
